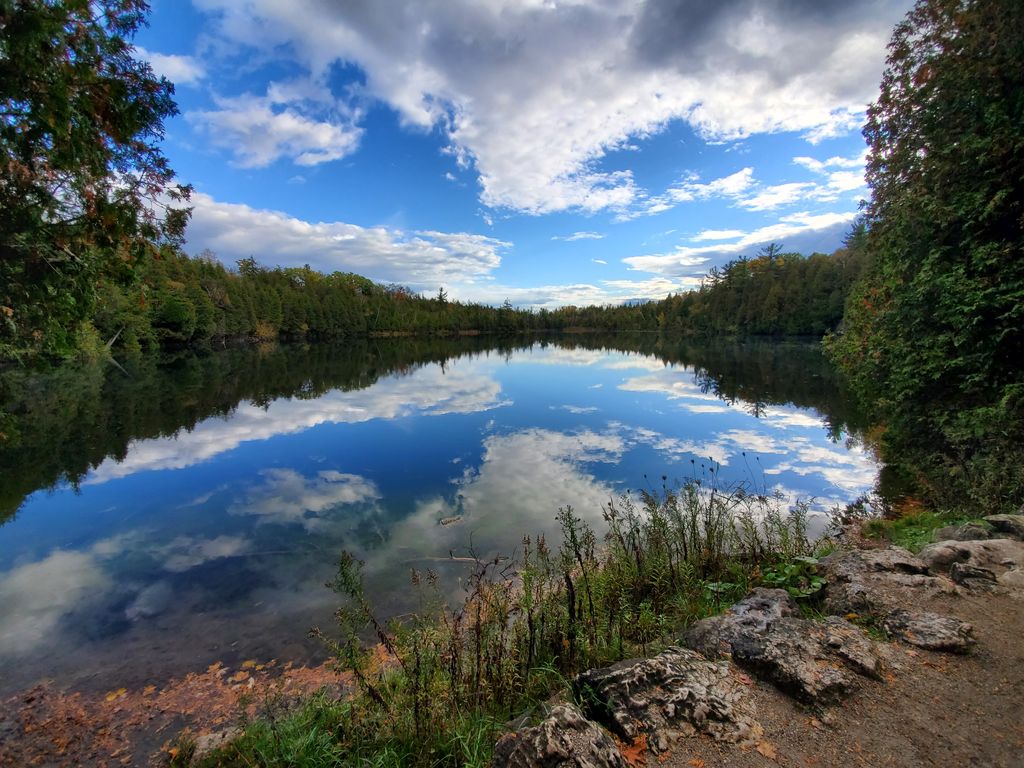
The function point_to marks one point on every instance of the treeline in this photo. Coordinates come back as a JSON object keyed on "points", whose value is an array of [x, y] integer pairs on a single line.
{"points": [[180, 300], [772, 294]]}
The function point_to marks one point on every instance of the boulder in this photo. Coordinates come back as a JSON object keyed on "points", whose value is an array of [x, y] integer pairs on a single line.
{"points": [[930, 630], [565, 739], [812, 661], [678, 693], [877, 581], [1003, 558], [972, 531], [1008, 525]]}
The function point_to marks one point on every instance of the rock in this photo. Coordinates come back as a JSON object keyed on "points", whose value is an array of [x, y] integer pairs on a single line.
{"points": [[930, 630], [1004, 558], [809, 660], [973, 577], [1008, 525], [565, 738], [713, 637], [208, 742], [972, 531], [877, 581], [675, 694]]}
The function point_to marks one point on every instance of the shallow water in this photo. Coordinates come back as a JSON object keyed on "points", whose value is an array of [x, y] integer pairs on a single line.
{"points": [[191, 509]]}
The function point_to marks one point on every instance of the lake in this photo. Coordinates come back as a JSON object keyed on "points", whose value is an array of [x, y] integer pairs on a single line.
{"points": [[190, 509]]}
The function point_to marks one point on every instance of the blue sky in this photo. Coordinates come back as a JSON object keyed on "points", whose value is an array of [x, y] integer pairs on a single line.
{"points": [[549, 152]]}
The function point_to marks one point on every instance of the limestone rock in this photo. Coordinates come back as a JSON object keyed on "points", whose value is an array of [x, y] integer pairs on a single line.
{"points": [[972, 531], [565, 739], [1008, 525], [812, 661], [877, 581], [208, 742], [1004, 558], [930, 630], [675, 694]]}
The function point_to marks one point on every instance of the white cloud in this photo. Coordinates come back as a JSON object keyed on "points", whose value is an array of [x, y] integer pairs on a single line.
{"points": [[769, 198], [34, 597], [579, 236], [599, 261], [718, 234], [259, 131], [575, 294], [422, 259], [801, 232], [533, 95], [288, 497], [729, 187], [180, 70], [185, 552], [426, 391]]}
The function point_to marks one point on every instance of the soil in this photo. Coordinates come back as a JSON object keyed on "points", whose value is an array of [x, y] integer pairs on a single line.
{"points": [[932, 709], [54, 727]]}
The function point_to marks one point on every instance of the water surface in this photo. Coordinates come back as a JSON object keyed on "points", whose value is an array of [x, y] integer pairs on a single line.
{"points": [[191, 509]]}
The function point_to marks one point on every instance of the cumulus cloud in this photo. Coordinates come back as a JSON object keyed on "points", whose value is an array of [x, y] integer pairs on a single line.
{"points": [[534, 95], [259, 130], [422, 259], [180, 70]]}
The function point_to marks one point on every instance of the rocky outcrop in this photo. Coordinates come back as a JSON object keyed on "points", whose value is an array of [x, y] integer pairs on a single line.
{"points": [[877, 581], [676, 694], [816, 662], [565, 739], [1011, 526], [930, 630], [972, 531], [1002, 558]]}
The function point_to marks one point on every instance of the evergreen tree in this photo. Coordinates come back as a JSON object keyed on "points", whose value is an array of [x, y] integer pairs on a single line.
{"points": [[934, 333]]}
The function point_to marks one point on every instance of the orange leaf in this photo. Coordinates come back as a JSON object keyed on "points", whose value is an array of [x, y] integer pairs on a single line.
{"points": [[767, 749]]}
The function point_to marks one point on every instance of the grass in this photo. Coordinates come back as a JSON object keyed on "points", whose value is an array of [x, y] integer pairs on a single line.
{"points": [[913, 530], [454, 674]]}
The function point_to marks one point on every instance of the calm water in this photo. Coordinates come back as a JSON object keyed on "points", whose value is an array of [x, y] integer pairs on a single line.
{"points": [[191, 510]]}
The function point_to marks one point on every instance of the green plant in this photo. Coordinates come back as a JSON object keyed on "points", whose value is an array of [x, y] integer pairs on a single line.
{"points": [[797, 576]]}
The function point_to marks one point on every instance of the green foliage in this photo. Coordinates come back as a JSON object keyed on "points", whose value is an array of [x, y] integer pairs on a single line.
{"points": [[83, 184], [434, 688], [913, 530], [934, 334], [772, 294], [797, 576]]}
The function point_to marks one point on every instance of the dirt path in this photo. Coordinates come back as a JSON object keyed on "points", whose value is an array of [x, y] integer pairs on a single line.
{"points": [[932, 709]]}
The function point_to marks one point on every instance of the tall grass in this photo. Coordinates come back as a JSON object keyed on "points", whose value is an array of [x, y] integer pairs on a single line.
{"points": [[435, 688]]}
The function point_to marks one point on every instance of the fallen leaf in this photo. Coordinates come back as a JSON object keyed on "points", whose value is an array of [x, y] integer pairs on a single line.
{"points": [[248, 664], [635, 753], [696, 763], [120, 692], [852, 616], [214, 667], [148, 690], [239, 677], [767, 749], [814, 722], [745, 679]]}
